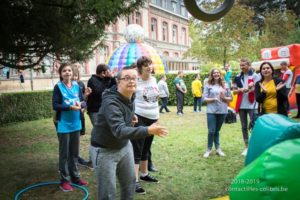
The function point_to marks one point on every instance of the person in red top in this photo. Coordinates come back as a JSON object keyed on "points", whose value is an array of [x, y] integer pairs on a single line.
{"points": [[287, 76]]}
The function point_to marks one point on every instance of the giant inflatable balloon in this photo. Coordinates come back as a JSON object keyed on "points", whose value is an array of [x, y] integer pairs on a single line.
{"points": [[128, 53], [273, 175], [270, 129], [272, 162]]}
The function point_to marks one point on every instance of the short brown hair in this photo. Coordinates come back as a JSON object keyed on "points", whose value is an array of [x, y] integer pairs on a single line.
{"points": [[101, 68], [142, 61], [246, 60]]}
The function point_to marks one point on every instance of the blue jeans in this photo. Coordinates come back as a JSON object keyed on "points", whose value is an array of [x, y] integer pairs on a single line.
{"points": [[214, 124], [197, 101], [164, 103]]}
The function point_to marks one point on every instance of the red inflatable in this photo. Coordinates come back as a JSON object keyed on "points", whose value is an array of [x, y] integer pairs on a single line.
{"points": [[291, 53]]}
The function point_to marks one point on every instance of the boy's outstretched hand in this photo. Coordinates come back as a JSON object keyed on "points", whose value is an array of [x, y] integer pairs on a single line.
{"points": [[156, 129]]}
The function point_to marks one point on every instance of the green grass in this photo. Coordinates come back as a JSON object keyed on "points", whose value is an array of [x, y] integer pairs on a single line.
{"points": [[29, 155]]}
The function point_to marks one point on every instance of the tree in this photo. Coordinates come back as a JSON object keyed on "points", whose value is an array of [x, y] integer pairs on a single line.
{"points": [[263, 8], [65, 29], [279, 29], [228, 38]]}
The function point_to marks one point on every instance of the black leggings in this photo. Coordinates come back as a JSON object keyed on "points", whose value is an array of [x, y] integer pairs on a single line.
{"points": [[141, 147]]}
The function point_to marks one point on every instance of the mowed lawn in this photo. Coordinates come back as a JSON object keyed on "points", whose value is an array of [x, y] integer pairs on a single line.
{"points": [[29, 155]]}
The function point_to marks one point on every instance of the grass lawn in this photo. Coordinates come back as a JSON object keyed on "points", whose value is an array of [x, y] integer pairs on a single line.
{"points": [[29, 155]]}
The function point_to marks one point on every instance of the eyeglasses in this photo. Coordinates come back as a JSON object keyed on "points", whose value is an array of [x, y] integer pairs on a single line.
{"points": [[127, 78]]}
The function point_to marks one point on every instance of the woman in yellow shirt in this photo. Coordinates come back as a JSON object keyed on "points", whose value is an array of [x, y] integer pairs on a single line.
{"points": [[270, 92]]}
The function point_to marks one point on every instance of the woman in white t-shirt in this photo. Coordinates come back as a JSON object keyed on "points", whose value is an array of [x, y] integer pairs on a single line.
{"points": [[146, 109]]}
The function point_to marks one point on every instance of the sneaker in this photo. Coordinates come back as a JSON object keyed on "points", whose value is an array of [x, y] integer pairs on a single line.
{"points": [[139, 189], [90, 165], [81, 182], [179, 113], [220, 152], [83, 163], [149, 178], [66, 187], [151, 168], [206, 154], [244, 153]]}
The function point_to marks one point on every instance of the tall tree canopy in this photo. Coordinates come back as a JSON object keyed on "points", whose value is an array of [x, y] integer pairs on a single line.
{"points": [[70, 29], [263, 8], [238, 35], [227, 38]]}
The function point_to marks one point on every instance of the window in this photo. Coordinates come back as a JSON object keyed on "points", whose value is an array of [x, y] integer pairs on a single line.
{"points": [[174, 34], [138, 18], [183, 36], [153, 28], [165, 32], [174, 5], [129, 19], [166, 53], [182, 10], [164, 3], [153, 1], [104, 51], [176, 55]]}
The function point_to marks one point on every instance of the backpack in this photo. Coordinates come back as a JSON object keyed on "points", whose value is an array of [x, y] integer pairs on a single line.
{"points": [[230, 117]]}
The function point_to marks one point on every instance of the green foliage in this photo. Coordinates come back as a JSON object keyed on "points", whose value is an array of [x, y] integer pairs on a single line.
{"points": [[262, 8], [279, 29], [25, 106], [68, 30], [227, 39]]}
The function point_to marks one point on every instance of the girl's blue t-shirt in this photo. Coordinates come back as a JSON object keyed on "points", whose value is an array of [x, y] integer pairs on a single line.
{"points": [[70, 120]]}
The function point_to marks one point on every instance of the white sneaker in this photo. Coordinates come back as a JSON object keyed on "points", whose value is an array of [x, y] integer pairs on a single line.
{"points": [[206, 154], [244, 153], [220, 152]]}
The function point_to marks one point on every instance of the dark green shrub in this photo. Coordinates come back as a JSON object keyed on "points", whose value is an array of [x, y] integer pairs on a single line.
{"points": [[25, 106]]}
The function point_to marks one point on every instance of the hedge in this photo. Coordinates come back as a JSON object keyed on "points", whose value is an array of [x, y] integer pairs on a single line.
{"points": [[25, 106], [188, 79]]}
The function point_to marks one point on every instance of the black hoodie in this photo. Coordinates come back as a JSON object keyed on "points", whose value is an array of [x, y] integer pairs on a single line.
{"points": [[113, 128], [98, 85]]}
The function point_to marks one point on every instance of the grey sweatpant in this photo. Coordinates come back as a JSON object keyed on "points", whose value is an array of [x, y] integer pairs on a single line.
{"points": [[111, 164], [68, 155]]}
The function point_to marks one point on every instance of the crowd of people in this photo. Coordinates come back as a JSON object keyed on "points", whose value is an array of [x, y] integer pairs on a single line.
{"points": [[123, 108]]}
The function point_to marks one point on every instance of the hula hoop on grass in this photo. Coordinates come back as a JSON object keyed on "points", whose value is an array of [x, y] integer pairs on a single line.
{"points": [[20, 192]]}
